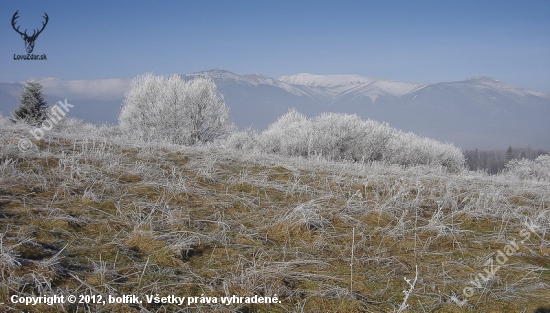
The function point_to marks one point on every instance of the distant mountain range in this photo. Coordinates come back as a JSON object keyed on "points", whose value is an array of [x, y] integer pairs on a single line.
{"points": [[477, 112]]}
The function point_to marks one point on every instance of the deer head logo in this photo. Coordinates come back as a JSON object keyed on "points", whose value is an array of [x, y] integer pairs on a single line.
{"points": [[29, 40]]}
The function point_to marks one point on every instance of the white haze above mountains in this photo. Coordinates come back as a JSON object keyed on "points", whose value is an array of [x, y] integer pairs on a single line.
{"points": [[477, 112], [101, 89]]}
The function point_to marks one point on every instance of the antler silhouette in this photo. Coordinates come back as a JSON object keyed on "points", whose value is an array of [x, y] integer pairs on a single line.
{"points": [[13, 24], [43, 25], [29, 40]]}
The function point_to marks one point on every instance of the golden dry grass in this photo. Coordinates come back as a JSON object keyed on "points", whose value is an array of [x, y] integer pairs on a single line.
{"points": [[109, 218]]}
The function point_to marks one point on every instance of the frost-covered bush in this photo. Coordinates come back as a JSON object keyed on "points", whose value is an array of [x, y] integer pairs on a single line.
{"points": [[345, 137], [539, 169], [77, 127], [4, 121], [331, 136], [173, 110], [71, 125], [289, 135], [245, 140], [411, 149]]}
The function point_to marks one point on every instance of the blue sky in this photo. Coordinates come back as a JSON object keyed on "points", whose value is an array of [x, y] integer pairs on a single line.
{"points": [[411, 41]]}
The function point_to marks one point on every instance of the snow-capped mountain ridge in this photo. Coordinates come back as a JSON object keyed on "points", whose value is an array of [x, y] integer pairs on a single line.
{"points": [[475, 112], [493, 83], [337, 86], [312, 80], [221, 76]]}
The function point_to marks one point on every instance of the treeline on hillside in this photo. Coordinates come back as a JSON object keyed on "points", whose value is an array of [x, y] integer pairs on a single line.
{"points": [[494, 161]]}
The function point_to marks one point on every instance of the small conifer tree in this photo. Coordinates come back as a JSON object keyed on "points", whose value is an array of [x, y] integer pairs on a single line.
{"points": [[32, 105], [509, 154]]}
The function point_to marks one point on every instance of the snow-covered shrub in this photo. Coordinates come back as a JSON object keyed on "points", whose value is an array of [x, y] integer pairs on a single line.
{"points": [[539, 169], [171, 109]]}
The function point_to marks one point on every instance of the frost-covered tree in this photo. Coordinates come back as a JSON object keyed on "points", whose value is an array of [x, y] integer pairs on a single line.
{"points": [[206, 113], [509, 154], [171, 109], [138, 113], [33, 108]]}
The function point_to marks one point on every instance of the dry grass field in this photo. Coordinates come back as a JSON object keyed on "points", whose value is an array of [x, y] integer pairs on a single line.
{"points": [[86, 214]]}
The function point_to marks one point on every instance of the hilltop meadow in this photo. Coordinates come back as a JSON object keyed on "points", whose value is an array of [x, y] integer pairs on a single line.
{"points": [[87, 211]]}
